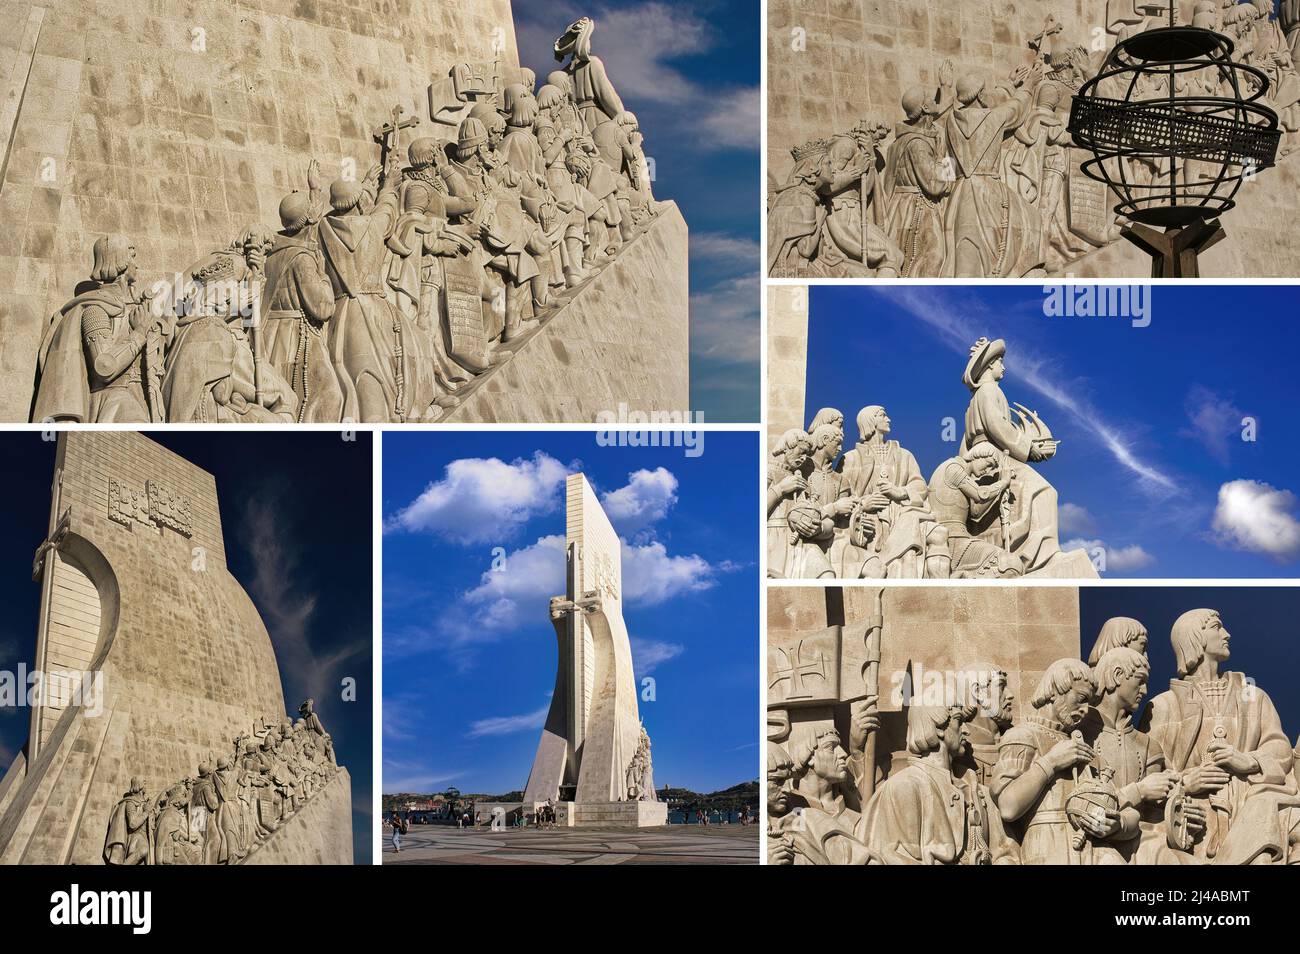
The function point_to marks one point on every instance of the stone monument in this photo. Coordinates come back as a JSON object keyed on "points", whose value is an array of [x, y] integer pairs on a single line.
{"points": [[870, 512], [913, 725], [931, 140], [160, 735], [593, 762], [316, 214]]}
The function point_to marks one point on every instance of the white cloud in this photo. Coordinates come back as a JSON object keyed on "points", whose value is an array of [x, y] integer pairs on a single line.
{"points": [[725, 250], [505, 725], [649, 654], [480, 500], [635, 43], [1075, 519], [520, 588], [1214, 421], [725, 319], [651, 575], [644, 500], [1119, 559], [1256, 516], [731, 119]]}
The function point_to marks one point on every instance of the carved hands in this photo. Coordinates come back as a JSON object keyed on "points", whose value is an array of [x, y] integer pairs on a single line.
{"points": [[1204, 779], [1223, 755], [1068, 753]]}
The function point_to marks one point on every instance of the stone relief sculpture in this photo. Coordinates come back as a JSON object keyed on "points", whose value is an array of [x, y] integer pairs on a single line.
{"points": [[381, 299], [1208, 778], [870, 514], [237, 800], [980, 177]]}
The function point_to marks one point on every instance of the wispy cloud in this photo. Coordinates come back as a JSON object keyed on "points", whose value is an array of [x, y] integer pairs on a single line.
{"points": [[286, 608], [649, 654], [508, 725], [1121, 559], [1214, 420], [412, 778], [1036, 372]]}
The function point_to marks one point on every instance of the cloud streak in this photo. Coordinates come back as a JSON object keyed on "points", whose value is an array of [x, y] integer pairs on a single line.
{"points": [[1035, 372]]}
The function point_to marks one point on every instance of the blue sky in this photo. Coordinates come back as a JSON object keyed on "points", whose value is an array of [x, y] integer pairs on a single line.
{"points": [[1260, 620], [690, 72], [1152, 466], [470, 653], [296, 516]]}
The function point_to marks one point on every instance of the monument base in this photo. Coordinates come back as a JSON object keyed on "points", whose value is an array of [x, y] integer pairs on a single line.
{"points": [[320, 833], [621, 341], [620, 814]]}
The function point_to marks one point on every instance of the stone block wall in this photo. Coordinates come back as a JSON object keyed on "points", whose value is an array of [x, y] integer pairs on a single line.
{"points": [[181, 122]]}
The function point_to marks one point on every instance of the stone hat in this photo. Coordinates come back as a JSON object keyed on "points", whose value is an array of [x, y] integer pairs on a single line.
{"points": [[472, 133], [982, 354], [344, 195], [295, 211]]}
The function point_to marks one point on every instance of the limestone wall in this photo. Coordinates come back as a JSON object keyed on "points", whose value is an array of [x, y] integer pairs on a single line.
{"points": [[180, 122], [624, 339], [948, 629], [187, 663], [319, 834], [787, 359], [858, 56]]}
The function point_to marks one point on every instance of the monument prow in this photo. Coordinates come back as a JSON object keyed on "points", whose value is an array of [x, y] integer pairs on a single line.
{"points": [[593, 742], [155, 665]]}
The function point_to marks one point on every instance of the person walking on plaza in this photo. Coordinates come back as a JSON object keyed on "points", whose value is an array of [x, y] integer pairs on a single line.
{"points": [[399, 829]]}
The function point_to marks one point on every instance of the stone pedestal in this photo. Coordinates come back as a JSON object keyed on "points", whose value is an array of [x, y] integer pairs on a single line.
{"points": [[620, 814]]}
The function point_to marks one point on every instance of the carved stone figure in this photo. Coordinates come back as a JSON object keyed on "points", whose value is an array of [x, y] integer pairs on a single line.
{"points": [[101, 358], [919, 176], [297, 303], [1222, 734], [1029, 529], [1116, 632], [1034, 776], [994, 704], [215, 369], [1134, 764], [934, 811], [794, 520], [968, 493], [825, 830], [129, 840], [884, 477]]}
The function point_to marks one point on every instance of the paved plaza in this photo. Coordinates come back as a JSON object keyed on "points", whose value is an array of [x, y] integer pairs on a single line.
{"points": [[675, 844]]}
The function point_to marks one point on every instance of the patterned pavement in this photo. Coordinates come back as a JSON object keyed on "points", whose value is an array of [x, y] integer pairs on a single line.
{"points": [[675, 844]]}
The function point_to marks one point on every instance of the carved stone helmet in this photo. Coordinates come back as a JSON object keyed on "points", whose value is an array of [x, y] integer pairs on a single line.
{"points": [[471, 135], [295, 212]]}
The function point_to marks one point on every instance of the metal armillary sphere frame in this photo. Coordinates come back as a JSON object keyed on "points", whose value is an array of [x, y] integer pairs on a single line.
{"points": [[1176, 147]]}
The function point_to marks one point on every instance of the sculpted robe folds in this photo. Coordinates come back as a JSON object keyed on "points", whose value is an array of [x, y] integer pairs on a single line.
{"points": [[991, 231], [915, 220], [297, 302], [1044, 832], [1250, 819], [383, 369], [907, 524], [1034, 518], [91, 365], [920, 816]]}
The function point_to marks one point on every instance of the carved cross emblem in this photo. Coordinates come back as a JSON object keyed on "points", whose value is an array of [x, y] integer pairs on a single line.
{"points": [[796, 669]]}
